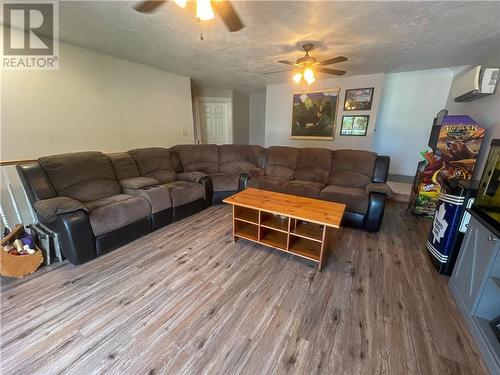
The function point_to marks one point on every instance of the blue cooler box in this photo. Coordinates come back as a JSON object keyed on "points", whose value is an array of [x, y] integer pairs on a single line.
{"points": [[450, 223]]}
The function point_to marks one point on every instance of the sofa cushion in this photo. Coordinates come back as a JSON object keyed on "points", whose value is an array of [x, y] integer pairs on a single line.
{"points": [[355, 199], [200, 158], [238, 158], [314, 164], [302, 188], [138, 182], [83, 176], [183, 192], [123, 165], [225, 181], [281, 162], [353, 168], [111, 213], [267, 183], [155, 162], [158, 197]]}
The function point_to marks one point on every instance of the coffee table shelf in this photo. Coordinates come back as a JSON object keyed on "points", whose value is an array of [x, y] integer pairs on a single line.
{"points": [[246, 230], [305, 234]]}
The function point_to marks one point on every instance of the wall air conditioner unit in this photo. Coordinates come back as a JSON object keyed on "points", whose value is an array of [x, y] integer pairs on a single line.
{"points": [[475, 84]]}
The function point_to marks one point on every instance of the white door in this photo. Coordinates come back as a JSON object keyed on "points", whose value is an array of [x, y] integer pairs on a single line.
{"points": [[214, 123]]}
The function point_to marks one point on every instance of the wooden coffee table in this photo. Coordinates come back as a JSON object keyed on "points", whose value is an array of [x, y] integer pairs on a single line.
{"points": [[296, 225]]}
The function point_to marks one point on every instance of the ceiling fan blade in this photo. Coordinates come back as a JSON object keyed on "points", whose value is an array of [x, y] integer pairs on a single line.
{"points": [[334, 60], [148, 6], [226, 11], [331, 71], [286, 62], [279, 71]]}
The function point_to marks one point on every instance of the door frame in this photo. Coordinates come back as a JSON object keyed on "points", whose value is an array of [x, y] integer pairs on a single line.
{"points": [[198, 100]]}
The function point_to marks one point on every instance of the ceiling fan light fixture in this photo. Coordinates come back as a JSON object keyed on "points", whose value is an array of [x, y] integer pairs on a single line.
{"points": [[297, 77], [309, 76], [181, 3], [204, 11]]}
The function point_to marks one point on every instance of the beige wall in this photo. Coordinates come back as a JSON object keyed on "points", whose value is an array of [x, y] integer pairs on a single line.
{"points": [[257, 119], [409, 104], [93, 102], [279, 112], [241, 115]]}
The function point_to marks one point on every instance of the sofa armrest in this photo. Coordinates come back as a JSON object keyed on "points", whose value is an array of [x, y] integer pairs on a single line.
{"points": [[51, 207], [243, 181], [138, 182], [375, 214], [381, 188], [209, 190], [256, 172], [76, 239], [191, 176], [381, 170]]}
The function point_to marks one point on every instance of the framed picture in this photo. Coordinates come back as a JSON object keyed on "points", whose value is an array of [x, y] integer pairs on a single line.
{"points": [[354, 125], [314, 114], [358, 99]]}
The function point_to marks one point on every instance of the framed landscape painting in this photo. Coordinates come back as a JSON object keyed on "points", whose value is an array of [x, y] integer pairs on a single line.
{"points": [[354, 125], [314, 114], [358, 99]]}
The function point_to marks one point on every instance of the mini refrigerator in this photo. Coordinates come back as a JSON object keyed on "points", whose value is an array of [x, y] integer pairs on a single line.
{"points": [[450, 223]]}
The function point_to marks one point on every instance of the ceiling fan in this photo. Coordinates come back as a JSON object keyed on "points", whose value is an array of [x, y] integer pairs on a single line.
{"points": [[204, 11], [306, 65]]}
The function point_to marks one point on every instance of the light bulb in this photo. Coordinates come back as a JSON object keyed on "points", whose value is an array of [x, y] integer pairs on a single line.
{"points": [[297, 77], [204, 11], [309, 76], [181, 3]]}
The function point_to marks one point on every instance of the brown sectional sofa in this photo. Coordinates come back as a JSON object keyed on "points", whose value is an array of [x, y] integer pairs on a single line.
{"points": [[97, 202]]}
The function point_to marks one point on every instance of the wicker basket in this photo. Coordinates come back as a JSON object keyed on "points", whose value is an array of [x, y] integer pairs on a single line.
{"points": [[18, 265]]}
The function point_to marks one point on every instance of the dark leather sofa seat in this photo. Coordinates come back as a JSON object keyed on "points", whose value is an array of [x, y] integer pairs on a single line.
{"points": [[186, 197], [97, 202], [101, 217], [112, 213], [353, 177], [227, 166]]}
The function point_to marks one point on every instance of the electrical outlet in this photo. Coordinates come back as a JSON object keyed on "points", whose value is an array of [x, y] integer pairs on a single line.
{"points": [[184, 132]]}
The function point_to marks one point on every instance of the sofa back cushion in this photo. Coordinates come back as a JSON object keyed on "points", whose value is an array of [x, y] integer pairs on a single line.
{"points": [[123, 165], [84, 176], [314, 164], [155, 162], [238, 158], [281, 162], [352, 168], [198, 158]]}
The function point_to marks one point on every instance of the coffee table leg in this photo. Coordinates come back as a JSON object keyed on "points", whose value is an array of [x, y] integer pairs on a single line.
{"points": [[325, 245]]}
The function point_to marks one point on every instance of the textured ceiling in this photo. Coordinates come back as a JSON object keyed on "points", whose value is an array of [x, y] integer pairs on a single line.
{"points": [[375, 36]]}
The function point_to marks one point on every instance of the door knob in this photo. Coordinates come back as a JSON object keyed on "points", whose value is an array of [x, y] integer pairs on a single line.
{"points": [[491, 238]]}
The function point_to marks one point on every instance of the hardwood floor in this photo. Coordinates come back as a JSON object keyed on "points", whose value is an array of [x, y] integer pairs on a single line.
{"points": [[185, 299]]}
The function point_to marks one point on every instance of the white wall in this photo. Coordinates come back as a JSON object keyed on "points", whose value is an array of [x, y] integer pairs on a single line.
{"points": [[485, 111], [93, 102], [241, 117], [409, 104], [257, 120], [279, 112]]}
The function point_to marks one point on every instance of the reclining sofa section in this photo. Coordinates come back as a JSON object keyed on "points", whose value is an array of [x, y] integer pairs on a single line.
{"points": [[97, 202]]}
